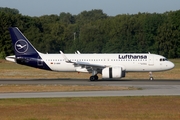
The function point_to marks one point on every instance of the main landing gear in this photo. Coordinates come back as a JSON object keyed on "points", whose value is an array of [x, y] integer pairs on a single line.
{"points": [[151, 76], [93, 78]]}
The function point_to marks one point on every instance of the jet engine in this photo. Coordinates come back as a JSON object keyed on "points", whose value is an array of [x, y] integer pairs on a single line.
{"points": [[113, 72]]}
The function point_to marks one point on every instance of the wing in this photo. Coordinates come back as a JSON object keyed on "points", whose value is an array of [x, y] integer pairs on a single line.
{"points": [[90, 65], [87, 65]]}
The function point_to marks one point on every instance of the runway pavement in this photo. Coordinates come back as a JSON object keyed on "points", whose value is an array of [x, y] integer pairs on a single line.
{"points": [[87, 82], [149, 88]]}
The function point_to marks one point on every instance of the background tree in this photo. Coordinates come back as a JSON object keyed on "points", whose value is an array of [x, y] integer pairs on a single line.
{"points": [[94, 31]]}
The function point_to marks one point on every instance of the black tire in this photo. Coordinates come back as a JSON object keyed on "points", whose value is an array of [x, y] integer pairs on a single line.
{"points": [[96, 77], [92, 78], [151, 78]]}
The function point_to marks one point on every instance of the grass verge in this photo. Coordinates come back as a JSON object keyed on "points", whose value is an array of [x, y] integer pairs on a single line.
{"points": [[96, 108], [60, 88]]}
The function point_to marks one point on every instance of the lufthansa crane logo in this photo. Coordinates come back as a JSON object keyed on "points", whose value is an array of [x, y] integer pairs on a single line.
{"points": [[21, 46]]}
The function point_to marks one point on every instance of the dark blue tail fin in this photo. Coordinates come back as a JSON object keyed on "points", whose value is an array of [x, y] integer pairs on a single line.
{"points": [[25, 53], [21, 44]]}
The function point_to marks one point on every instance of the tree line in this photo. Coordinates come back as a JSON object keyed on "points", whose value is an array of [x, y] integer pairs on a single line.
{"points": [[95, 32]]}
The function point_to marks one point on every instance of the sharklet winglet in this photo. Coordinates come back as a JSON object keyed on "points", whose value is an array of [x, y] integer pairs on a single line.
{"points": [[65, 58]]}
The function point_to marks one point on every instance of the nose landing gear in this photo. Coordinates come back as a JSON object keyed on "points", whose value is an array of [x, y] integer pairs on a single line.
{"points": [[151, 76]]}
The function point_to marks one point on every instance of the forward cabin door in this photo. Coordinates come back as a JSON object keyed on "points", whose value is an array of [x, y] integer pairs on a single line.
{"points": [[150, 60]]}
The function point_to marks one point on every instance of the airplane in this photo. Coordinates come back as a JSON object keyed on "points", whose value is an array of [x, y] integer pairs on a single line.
{"points": [[110, 66]]}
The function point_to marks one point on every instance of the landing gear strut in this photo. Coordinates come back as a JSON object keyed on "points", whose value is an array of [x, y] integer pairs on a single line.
{"points": [[93, 78], [151, 76]]}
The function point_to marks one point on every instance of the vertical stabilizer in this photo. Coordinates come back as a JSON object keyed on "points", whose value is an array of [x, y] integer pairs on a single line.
{"points": [[21, 44], [25, 53]]}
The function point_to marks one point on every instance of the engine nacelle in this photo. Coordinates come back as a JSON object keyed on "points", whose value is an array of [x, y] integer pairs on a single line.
{"points": [[113, 72]]}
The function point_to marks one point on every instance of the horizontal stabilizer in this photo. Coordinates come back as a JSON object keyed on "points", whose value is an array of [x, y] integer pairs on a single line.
{"points": [[11, 58]]}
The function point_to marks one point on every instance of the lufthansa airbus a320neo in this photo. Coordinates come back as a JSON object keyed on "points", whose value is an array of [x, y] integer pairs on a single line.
{"points": [[111, 66]]}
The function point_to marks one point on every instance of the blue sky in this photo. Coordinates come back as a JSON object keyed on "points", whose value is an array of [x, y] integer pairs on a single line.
{"points": [[110, 7]]}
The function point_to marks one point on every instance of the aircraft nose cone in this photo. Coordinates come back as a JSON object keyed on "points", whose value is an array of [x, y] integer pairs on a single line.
{"points": [[171, 65]]}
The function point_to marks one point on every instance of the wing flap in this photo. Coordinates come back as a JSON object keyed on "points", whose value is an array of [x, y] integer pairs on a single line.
{"points": [[90, 65]]}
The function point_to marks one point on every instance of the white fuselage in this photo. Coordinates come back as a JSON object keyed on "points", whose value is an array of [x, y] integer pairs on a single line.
{"points": [[129, 62]]}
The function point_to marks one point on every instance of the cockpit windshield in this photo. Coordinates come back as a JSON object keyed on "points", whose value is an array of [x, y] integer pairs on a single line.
{"points": [[163, 59]]}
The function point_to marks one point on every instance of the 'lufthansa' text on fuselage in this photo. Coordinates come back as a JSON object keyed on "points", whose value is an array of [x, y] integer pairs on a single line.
{"points": [[132, 56]]}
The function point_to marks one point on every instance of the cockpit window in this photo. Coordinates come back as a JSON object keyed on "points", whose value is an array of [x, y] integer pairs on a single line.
{"points": [[163, 59]]}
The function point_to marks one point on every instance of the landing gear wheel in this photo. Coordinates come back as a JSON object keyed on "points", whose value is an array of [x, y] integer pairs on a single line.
{"points": [[93, 78], [151, 78], [96, 77]]}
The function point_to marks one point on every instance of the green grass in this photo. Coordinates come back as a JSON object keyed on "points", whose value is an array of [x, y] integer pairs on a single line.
{"points": [[96, 108], [61, 88]]}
